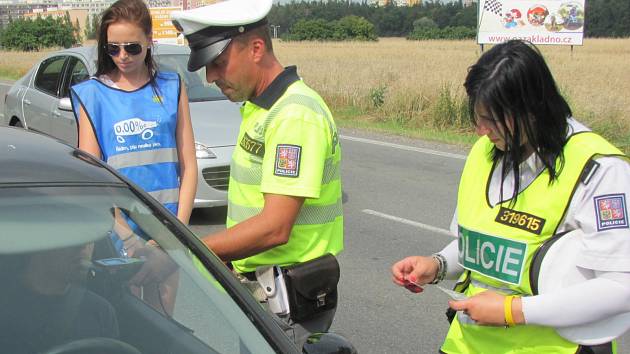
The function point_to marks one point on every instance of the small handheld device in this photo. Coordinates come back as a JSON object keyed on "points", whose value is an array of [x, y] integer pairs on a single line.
{"points": [[121, 268]]}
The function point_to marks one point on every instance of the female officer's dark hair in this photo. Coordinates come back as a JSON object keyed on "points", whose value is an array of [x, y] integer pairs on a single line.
{"points": [[512, 80], [132, 11]]}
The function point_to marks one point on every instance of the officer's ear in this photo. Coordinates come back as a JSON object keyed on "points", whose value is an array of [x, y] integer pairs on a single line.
{"points": [[258, 49]]}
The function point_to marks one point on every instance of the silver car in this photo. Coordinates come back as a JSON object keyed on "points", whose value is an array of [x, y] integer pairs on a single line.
{"points": [[40, 101]]}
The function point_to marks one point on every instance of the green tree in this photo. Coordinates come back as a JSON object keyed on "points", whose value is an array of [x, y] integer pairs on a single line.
{"points": [[346, 28], [77, 31], [355, 28], [424, 22], [30, 35], [87, 31], [309, 30], [95, 26]]}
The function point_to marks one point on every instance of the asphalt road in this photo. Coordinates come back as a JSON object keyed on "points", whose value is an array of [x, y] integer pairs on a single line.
{"points": [[399, 196]]}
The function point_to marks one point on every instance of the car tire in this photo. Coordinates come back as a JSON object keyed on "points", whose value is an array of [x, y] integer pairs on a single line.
{"points": [[16, 123]]}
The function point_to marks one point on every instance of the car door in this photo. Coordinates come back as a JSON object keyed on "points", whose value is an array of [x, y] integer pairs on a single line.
{"points": [[43, 95], [64, 125]]}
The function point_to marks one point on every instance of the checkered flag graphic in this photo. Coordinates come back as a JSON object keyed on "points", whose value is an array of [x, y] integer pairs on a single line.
{"points": [[493, 6]]}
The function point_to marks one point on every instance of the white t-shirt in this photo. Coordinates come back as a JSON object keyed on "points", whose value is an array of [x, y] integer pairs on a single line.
{"points": [[599, 209]]}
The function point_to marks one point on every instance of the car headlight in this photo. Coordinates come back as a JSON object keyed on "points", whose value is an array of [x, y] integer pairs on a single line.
{"points": [[203, 152]]}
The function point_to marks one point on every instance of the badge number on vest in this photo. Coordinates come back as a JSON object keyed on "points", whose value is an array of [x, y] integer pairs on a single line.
{"points": [[520, 220], [252, 146], [492, 256]]}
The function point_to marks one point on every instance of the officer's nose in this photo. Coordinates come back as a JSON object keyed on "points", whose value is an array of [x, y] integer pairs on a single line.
{"points": [[211, 73], [482, 128]]}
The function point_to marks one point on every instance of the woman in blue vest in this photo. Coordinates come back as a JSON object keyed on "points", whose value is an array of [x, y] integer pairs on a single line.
{"points": [[535, 173], [137, 119]]}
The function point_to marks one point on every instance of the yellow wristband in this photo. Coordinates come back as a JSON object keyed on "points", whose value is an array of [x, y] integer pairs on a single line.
{"points": [[507, 307]]}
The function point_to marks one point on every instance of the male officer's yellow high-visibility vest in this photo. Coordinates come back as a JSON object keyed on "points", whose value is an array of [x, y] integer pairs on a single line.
{"points": [[290, 149], [497, 243]]}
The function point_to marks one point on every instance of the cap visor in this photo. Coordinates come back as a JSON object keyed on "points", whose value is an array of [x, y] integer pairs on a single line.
{"points": [[203, 56]]}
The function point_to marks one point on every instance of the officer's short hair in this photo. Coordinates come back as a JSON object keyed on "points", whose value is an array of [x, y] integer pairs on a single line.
{"points": [[261, 32]]}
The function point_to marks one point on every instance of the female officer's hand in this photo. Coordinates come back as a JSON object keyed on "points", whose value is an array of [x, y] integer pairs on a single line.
{"points": [[487, 308], [413, 272]]}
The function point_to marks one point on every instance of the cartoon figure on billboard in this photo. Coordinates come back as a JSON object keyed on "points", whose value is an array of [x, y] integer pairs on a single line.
{"points": [[554, 22], [572, 14], [537, 14], [512, 19]]}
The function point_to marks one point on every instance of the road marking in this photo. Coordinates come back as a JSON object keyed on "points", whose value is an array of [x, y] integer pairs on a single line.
{"points": [[404, 147], [409, 222], [4, 84]]}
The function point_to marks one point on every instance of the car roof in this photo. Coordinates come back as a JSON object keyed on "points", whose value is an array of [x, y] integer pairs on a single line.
{"points": [[27, 157]]}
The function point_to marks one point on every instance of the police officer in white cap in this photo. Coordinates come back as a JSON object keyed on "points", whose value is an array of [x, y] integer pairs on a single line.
{"points": [[284, 198]]}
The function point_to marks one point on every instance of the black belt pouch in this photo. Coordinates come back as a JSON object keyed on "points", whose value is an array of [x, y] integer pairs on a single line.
{"points": [[312, 287]]}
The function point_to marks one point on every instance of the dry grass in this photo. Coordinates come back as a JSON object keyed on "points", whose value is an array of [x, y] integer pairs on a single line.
{"points": [[421, 82], [14, 64]]}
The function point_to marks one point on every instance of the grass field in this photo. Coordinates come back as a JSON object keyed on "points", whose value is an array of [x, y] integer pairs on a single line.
{"points": [[415, 87]]}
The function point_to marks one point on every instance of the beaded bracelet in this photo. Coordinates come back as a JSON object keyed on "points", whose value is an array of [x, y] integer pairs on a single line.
{"points": [[442, 266]]}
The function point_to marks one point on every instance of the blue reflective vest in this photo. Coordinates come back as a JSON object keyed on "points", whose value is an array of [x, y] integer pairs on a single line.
{"points": [[135, 131]]}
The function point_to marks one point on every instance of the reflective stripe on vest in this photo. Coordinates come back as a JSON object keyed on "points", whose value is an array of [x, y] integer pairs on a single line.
{"points": [[309, 214], [135, 131], [166, 196], [253, 175], [140, 158], [497, 243]]}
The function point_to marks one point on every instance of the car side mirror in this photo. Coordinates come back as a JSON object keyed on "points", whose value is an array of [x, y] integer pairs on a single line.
{"points": [[65, 104], [328, 343]]}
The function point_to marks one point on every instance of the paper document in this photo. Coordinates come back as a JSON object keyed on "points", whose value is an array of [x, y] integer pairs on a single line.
{"points": [[453, 294]]}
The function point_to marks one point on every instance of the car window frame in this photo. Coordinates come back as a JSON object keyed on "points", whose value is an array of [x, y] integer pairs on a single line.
{"points": [[40, 68], [69, 66]]}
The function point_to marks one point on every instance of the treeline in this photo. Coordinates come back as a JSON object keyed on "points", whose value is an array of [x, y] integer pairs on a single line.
{"points": [[29, 35], [388, 21], [607, 18], [347, 28], [604, 18]]}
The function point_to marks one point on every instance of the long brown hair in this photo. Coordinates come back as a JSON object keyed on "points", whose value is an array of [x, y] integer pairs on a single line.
{"points": [[132, 11]]}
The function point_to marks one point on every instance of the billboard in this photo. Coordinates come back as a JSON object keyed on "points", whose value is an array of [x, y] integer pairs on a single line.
{"points": [[559, 22], [163, 30]]}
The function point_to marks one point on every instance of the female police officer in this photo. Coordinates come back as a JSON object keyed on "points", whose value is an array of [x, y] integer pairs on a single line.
{"points": [[534, 173]]}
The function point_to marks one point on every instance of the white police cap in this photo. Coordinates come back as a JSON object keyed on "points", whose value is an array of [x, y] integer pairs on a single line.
{"points": [[209, 29]]}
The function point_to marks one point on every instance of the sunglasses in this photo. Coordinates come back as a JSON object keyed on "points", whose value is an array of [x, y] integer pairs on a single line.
{"points": [[113, 49]]}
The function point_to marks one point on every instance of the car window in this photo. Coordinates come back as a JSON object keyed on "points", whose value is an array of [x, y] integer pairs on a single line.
{"points": [[49, 75], [60, 264], [77, 73], [196, 86]]}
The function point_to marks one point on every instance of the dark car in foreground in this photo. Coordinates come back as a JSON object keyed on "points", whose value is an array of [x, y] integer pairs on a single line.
{"points": [[65, 289]]}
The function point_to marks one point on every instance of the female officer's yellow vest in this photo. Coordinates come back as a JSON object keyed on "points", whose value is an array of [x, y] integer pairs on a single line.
{"points": [[497, 244]]}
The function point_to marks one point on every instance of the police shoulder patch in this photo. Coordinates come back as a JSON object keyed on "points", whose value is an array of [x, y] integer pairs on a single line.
{"points": [[287, 161], [611, 212]]}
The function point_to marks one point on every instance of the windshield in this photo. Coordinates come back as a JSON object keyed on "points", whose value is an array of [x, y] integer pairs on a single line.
{"points": [[95, 266], [196, 86]]}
